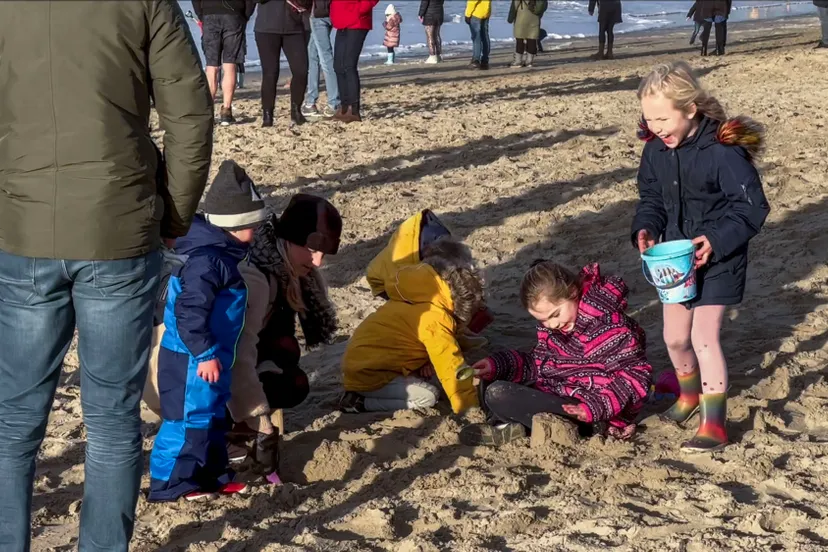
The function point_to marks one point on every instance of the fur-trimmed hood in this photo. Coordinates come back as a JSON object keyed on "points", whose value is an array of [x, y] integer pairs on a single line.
{"points": [[319, 322], [737, 131]]}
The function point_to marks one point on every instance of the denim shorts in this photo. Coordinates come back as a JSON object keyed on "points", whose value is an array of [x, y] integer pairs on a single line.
{"points": [[223, 39]]}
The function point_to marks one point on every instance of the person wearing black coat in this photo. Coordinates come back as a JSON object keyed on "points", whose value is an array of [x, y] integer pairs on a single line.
{"points": [[714, 12], [609, 15], [822, 8], [281, 25], [432, 17], [695, 15], [697, 181]]}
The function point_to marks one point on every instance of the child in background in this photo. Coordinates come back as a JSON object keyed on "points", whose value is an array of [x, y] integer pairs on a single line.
{"points": [[432, 295], [392, 23], [696, 16], [697, 181], [589, 364], [204, 315]]}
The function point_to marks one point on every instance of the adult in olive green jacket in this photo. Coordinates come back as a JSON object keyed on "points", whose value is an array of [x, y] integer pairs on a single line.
{"points": [[83, 208]]}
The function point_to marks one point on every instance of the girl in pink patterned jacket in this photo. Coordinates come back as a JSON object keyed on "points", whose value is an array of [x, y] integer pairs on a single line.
{"points": [[589, 364]]}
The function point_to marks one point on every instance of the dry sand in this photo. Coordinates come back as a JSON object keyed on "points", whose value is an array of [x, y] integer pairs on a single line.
{"points": [[525, 164]]}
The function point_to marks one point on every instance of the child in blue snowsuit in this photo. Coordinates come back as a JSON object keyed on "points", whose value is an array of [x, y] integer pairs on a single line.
{"points": [[204, 315]]}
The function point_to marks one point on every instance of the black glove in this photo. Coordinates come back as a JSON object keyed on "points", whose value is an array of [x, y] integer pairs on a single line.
{"points": [[266, 452], [468, 21]]}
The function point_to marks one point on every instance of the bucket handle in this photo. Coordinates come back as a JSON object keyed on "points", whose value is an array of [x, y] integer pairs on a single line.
{"points": [[648, 276]]}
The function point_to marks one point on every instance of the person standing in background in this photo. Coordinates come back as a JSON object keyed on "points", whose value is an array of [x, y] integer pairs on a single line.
{"points": [[223, 27], [320, 55], [87, 201], [609, 15], [714, 12], [392, 23], [822, 8], [526, 17], [432, 17], [352, 19], [280, 25], [478, 13]]}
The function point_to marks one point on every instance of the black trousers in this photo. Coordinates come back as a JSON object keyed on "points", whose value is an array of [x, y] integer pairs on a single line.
{"points": [[721, 35], [347, 48], [505, 401], [526, 45], [606, 34], [296, 51]]}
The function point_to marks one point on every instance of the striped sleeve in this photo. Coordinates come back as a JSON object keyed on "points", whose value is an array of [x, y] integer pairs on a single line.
{"points": [[515, 366]]}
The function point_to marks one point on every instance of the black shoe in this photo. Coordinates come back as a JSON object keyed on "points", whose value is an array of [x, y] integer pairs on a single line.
{"points": [[704, 51], [226, 116], [266, 452], [484, 66], [821, 45], [267, 118], [235, 453], [477, 435], [474, 64], [352, 403], [609, 55], [296, 117]]}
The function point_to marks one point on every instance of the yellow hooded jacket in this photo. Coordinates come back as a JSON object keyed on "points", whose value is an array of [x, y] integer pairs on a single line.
{"points": [[482, 9], [416, 325]]}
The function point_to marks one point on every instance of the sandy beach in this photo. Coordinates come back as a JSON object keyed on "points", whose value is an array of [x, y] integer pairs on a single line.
{"points": [[524, 164]]}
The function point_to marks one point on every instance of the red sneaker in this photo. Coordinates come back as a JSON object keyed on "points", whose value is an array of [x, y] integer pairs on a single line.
{"points": [[200, 496], [234, 488]]}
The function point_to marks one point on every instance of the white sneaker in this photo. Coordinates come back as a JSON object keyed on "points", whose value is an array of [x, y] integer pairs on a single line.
{"points": [[432, 60]]}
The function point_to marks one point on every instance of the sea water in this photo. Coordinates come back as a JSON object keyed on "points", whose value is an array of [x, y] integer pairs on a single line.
{"points": [[563, 21]]}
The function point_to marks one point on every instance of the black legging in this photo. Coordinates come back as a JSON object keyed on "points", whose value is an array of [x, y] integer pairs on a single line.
{"points": [[347, 48], [526, 45], [721, 35], [512, 402], [296, 51], [606, 34]]}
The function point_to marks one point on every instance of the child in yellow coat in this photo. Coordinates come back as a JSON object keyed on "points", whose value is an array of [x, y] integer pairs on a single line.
{"points": [[433, 293]]}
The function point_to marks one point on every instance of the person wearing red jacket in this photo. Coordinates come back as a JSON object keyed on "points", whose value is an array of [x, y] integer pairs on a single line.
{"points": [[352, 20]]}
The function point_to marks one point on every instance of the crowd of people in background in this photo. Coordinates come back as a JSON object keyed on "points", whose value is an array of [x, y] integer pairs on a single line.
{"points": [[302, 29]]}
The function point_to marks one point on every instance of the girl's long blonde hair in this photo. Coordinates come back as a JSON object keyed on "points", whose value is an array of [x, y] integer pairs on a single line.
{"points": [[677, 82], [294, 289]]}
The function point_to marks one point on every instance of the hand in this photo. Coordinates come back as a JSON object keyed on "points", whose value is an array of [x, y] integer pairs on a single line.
{"points": [[645, 240], [703, 250], [421, 19], [591, 13], [427, 371], [209, 370], [168, 242], [576, 410], [484, 369], [468, 21]]}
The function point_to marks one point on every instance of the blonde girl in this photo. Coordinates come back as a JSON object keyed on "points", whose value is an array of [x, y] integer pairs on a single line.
{"points": [[697, 181]]}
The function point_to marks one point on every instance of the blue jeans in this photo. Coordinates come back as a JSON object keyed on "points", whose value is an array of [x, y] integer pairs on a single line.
{"points": [[41, 302], [480, 38], [319, 47]]}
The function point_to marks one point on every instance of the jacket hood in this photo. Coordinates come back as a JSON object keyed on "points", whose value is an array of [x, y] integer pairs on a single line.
{"points": [[420, 284], [737, 131], [402, 250], [204, 234], [600, 296]]}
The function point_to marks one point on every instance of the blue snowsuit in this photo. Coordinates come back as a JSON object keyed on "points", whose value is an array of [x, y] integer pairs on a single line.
{"points": [[204, 316]]}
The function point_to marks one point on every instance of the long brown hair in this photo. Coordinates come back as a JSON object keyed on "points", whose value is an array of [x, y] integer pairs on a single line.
{"points": [[550, 281]]}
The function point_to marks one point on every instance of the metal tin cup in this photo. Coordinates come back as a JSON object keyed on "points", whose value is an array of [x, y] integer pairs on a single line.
{"points": [[464, 372]]}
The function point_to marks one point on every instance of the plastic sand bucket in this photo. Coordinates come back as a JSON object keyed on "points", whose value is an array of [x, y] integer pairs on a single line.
{"points": [[464, 372], [670, 268]]}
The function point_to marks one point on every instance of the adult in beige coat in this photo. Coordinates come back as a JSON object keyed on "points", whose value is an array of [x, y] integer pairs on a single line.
{"points": [[283, 284]]}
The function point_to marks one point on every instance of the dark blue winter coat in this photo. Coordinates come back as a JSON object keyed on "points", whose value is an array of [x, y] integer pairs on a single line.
{"points": [[707, 186], [204, 317]]}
